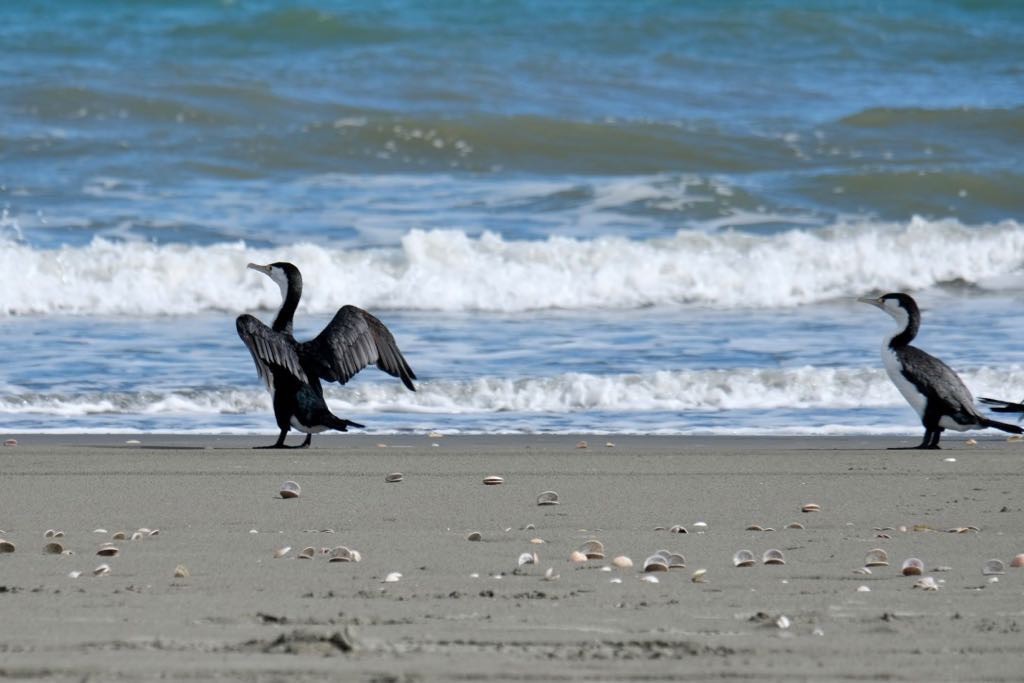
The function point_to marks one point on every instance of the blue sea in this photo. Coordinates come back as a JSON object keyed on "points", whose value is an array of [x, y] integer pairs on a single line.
{"points": [[599, 217]]}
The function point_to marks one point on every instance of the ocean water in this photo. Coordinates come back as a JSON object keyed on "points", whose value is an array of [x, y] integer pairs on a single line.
{"points": [[604, 217]]}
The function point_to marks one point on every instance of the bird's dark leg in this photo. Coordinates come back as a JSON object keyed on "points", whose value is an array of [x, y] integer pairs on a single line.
{"points": [[929, 442], [936, 433], [305, 444], [279, 444]]}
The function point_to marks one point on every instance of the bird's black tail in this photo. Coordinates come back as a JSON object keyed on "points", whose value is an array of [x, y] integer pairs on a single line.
{"points": [[1013, 429], [998, 406], [342, 425]]}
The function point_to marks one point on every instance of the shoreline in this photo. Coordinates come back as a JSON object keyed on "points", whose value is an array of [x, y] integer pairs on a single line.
{"points": [[468, 610]]}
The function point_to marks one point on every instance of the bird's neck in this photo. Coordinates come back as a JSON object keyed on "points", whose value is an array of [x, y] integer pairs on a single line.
{"points": [[283, 321], [906, 331]]}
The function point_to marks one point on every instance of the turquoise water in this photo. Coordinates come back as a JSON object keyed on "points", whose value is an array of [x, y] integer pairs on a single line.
{"points": [[644, 216]]}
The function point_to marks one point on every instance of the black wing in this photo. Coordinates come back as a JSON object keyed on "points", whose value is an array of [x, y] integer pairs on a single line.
{"points": [[269, 350], [353, 340], [936, 379], [999, 406]]}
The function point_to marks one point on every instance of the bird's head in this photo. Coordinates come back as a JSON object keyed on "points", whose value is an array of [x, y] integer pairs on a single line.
{"points": [[287, 276], [901, 307]]}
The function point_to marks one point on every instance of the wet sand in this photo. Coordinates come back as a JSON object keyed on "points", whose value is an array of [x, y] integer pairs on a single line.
{"points": [[242, 614]]}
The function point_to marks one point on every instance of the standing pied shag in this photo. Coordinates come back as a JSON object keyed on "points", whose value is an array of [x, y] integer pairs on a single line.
{"points": [[929, 385], [292, 370]]}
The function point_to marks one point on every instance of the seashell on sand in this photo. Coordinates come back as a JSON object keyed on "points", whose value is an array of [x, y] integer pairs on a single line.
{"points": [[137, 536], [1017, 561], [537, 541], [993, 568], [622, 562], [474, 536], [647, 578], [74, 575], [550, 575], [676, 561], [700, 576], [108, 550], [10, 442], [343, 554], [307, 553], [810, 507], [609, 444], [53, 533], [971, 442], [678, 529], [53, 548], [435, 435], [876, 557], [582, 444], [794, 525], [120, 536], [700, 525], [927, 583], [1015, 437], [615, 580], [863, 589], [577, 556], [655, 563], [493, 480], [6, 546], [394, 477], [393, 577], [862, 570], [593, 549], [743, 558], [773, 556], [282, 551], [181, 572], [783, 622], [290, 489], [527, 558], [151, 532], [547, 498], [912, 567], [754, 527], [101, 570]]}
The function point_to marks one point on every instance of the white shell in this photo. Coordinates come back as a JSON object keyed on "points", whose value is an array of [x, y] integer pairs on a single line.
{"points": [[394, 477], [622, 562], [547, 498], [863, 589], [993, 568], [876, 557], [699, 576], [678, 529], [307, 553], [926, 583], [282, 551], [773, 556], [577, 556], [743, 558], [290, 489], [181, 572], [101, 570], [810, 507], [343, 554], [550, 574], [593, 549], [648, 578], [912, 567], [655, 563], [493, 480], [393, 577], [527, 558]]}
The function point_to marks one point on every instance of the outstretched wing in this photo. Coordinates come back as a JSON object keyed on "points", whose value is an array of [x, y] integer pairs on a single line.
{"points": [[269, 350], [353, 340]]}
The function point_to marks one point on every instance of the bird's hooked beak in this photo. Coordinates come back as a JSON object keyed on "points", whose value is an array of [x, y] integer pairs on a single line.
{"points": [[868, 300], [263, 269]]}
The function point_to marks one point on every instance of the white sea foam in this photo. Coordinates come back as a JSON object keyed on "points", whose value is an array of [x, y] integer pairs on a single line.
{"points": [[683, 391], [452, 271]]}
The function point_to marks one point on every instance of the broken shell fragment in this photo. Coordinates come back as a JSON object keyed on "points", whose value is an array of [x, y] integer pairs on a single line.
{"points": [[137, 536], [537, 541], [282, 551], [993, 568], [74, 575], [108, 550], [550, 574], [593, 549], [648, 579], [290, 489], [493, 480], [53, 533], [343, 554], [743, 558], [622, 562], [678, 529], [393, 577], [699, 576], [474, 536], [876, 557], [927, 583], [912, 567], [773, 556], [53, 548], [655, 563], [675, 561], [101, 570], [307, 553], [1017, 561], [577, 556], [394, 477], [547, 498], [527, 558], [810, 507], [6, 546], [181, 572]]}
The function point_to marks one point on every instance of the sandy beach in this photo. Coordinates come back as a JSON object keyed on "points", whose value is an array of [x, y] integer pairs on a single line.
{"points": [[466, 610]]}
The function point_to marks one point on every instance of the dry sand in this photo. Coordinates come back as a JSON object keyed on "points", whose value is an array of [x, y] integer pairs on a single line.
{"points": [[244, 615]]}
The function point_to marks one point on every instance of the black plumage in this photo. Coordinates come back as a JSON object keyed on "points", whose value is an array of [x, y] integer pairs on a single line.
{"points": [[292, 370], [930, 386]]}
